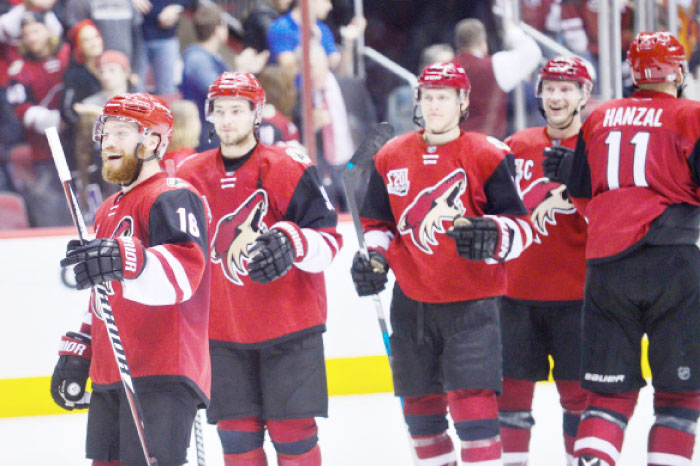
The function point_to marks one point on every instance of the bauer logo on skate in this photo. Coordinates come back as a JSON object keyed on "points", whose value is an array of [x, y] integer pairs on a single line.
{"points": [[424, 216], [604, 378], [236, 232]]}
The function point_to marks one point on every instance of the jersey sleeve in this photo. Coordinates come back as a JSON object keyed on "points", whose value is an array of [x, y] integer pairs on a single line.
{"points": [[311, 210], [377, 218], [504, 205], [176, 256]]}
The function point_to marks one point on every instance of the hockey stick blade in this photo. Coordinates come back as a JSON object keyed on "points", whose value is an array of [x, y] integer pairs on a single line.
{"points": [[374, 141]]}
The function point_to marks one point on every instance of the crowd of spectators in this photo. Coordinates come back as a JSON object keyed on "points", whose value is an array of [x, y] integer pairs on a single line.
{"points": [[60, 60]]}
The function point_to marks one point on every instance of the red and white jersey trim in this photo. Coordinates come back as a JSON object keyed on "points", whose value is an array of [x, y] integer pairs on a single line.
{"points": [[162, 282], [321, 249]]}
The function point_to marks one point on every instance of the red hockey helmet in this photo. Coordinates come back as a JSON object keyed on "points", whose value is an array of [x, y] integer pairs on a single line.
{"points": [[565, 69], [654, 57], [446, 74], [149, 112], [243, 85]]}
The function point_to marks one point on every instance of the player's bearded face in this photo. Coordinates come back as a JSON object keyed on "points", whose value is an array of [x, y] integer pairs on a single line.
{"points": [[120, 147], [441, 109], [122, 170], [560, 100], [233, 120]]}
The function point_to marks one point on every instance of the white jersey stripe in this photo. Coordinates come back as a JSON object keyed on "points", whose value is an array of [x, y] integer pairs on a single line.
{"points": [[152, 287], [181, 277], [318, 254]]}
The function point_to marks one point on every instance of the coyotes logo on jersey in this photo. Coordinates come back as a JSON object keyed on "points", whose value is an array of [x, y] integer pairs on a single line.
{"points": [[235, 232], [424, 216], [544, 199]]}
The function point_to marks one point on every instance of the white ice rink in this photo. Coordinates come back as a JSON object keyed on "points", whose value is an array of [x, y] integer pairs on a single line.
{"points": [[364, 430]]}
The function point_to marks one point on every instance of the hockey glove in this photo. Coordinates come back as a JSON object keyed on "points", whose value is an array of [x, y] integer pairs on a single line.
{"points": [[71, 372], [480, 238], [272, 255], [369, 276], [557, 163], [103, 260]]}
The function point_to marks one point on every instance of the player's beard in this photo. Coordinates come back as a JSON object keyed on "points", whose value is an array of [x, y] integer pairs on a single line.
{"points": [[123, 172], [234, 140]]}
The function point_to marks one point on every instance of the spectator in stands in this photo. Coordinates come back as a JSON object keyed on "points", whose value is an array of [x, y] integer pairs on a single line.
{"points": [[203, 64], [119, 22], [186, 130], [259, 20], [342, 116], [284, 36], [400, 102], [162, 44], [493, 76], [80, 80], [280, 97], [114, 73], [35, 82], [10, 135], [11, 22]]}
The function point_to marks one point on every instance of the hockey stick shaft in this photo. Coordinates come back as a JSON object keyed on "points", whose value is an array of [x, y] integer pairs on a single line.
{"points": [[365, 154], [349, 186], [102, 301]]}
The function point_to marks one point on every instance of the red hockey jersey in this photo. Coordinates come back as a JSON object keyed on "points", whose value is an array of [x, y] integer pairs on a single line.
{"points": [[553, 268], [274, 184], [635, 158], [163, 314], [416, 190]]}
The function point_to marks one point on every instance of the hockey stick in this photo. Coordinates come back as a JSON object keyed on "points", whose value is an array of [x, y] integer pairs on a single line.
{"points": [[360, 159], [102, 306], [198, 434]]}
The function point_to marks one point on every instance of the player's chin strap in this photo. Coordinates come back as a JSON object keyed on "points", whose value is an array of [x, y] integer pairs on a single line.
{"points": [[139, 165]]}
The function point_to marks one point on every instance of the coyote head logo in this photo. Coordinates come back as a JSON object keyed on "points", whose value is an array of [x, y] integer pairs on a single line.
{"points": [[424, 216], [544, 199], [235, 232]]}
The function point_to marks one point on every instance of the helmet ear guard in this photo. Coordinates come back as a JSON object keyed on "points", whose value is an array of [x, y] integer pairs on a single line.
{"points": [[655, 57]]}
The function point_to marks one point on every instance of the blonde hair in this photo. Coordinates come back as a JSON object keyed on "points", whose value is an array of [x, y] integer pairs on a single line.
{"points": [[186, 126]]}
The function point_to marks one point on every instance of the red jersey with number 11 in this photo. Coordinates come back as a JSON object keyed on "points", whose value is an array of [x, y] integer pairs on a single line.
{"points": [[634, 159]]}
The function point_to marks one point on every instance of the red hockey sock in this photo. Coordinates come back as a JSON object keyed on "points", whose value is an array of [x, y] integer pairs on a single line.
{"points": [[475, 415], [573, 400], [250, 458], [435, 450], [310, 458], [672, 437], [515, 415], [603, 423]]}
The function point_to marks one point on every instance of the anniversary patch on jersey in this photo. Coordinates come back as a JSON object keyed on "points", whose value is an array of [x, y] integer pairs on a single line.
{"points": [[423, 218], [398, 182], [235, 232], [545, 199]]}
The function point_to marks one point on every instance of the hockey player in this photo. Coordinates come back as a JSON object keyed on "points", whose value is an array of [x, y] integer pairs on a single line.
{"points": [[442, 211], [541, 312], [274, 232], [150, 257], [635, 175]]}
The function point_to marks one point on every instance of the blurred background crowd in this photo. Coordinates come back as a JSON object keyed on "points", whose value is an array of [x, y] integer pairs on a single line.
{"points": [[61, 60]]}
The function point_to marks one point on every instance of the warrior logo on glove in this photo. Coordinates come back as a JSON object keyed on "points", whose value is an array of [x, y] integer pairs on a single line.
{"points": [[424, 216], [235, 233]]}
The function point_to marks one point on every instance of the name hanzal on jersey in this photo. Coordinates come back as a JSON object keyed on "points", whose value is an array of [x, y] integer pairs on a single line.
{"points": [[633, 116]]}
